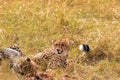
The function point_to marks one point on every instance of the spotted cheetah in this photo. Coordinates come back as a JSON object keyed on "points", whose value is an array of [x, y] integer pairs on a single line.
{"points": [[54, 57], [23, 66]]}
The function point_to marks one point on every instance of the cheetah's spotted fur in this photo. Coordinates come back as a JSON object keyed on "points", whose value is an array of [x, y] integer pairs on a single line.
{"points": [[55, 57]]}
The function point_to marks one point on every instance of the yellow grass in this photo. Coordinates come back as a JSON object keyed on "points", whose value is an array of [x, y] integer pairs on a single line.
{"points": [[33, 24]]}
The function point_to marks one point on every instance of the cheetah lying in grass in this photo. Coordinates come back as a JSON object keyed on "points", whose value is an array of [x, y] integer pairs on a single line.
{"points": [[54, 57], [23, 66]]}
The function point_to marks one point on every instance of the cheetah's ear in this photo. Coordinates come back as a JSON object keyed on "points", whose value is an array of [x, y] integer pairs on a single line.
{"points": [[28, 59], [68, 41]]}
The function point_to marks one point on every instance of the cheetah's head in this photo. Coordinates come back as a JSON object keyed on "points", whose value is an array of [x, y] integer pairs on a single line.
{"points": [[23, 66], [61, 46]]}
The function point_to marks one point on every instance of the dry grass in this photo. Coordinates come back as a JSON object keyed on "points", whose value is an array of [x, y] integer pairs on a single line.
{"points": [[33, 24]]}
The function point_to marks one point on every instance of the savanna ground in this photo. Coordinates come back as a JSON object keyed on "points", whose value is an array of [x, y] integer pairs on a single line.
{"points": [[33, 24]]}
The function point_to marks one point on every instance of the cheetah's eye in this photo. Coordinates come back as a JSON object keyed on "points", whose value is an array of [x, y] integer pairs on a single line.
{"points": [[56, 44]]}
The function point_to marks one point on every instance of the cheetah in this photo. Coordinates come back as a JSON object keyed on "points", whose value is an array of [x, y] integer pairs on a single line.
{"points": [[54, 57], [23, 66]]}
